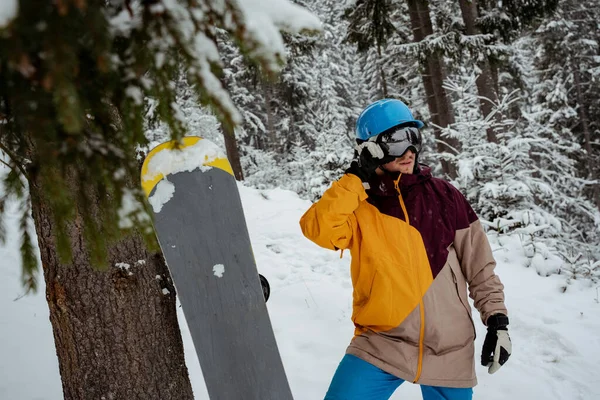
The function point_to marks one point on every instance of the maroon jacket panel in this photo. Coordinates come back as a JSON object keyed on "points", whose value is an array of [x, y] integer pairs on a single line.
{"points": [[435, 208]]}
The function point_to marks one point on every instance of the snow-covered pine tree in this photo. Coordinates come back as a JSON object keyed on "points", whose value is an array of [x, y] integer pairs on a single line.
{"points": [[479, 50], [564, 89], [524, 184], [566, 60], [507, 21], [401, 72], [332, 131], [316, 104], [371, 66], [369, 28], [200, 121], [244, 80], [509, 178], [334, 110], [286, 118]]}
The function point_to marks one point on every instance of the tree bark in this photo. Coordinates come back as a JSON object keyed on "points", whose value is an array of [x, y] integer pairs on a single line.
{"points": [[233, 153], [484, 82], [116, 331], [382, 73], [433, 76]]}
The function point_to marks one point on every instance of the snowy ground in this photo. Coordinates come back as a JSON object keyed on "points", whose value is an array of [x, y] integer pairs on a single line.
{"points": [[556, 336]]}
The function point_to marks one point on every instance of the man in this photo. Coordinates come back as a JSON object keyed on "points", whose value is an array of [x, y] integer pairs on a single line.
{"points": [[416, 246]]}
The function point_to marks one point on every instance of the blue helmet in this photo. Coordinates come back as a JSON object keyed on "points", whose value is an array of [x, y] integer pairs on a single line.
{"points": [[382, 115]]}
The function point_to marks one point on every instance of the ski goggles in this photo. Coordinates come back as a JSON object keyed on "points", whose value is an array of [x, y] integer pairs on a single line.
{"points": [[398, 141]]}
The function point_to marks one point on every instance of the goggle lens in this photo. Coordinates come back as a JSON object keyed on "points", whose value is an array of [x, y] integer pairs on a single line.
{"points": [[400, 140]]}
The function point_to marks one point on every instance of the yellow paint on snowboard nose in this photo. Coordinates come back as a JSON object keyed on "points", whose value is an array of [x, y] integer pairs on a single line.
{"points": [[187, 141]]}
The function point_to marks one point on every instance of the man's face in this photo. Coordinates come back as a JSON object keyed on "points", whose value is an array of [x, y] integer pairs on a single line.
{"points": [[404, 164]]}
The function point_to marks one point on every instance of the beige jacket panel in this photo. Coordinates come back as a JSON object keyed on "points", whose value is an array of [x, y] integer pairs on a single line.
{"points": [[477, 264]]}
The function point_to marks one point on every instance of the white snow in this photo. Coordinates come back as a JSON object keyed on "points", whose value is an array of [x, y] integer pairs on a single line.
{"points": [[124, 22], [162, 194], [283, 13], [555, 335], [124, 267], [188, 158], [219, 270], [167, 162], [131, 211], [8, 11], [136, 94], [265, 18]]}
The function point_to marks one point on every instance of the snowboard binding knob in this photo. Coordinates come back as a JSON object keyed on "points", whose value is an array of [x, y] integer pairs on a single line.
{"points": [[266, 288]]}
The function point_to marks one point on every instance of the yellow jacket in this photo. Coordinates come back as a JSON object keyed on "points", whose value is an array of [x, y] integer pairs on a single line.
{"points": [[410, 274]]}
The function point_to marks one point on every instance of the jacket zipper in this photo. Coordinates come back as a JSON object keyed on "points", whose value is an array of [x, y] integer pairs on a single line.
{"points": [[421, 305]]}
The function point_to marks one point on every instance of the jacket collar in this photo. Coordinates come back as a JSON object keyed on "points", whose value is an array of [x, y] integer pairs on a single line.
{"points": [[384, 185]]}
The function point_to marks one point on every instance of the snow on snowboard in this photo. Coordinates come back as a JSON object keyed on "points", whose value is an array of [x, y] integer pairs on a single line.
{"points": [[200, 225]]}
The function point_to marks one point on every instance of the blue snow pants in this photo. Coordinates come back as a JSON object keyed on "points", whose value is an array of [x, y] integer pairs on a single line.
{"points": [[356, 379]]}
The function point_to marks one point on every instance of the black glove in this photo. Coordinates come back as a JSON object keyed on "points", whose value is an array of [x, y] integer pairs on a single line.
{"points": [[497, 346], [370, 156]]}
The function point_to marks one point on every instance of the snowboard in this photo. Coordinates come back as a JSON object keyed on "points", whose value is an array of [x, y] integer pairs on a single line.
{"points": [[201, 229]]}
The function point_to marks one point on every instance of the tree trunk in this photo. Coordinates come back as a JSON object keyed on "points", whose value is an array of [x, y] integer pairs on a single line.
{"points": [[382, 73], [233, 153], [432, 74], [116, 331], [484, 82], [585, 127], [493, 64], [269, 110]]}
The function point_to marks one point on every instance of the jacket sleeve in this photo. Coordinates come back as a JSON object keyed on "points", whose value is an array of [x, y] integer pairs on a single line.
{"points": [[329, 222], [477, 261]]}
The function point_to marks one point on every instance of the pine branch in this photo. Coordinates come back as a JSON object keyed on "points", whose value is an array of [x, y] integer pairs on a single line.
{"points": [[13, 157]]}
